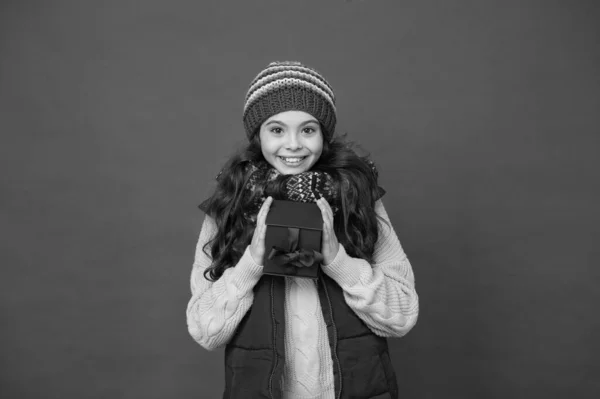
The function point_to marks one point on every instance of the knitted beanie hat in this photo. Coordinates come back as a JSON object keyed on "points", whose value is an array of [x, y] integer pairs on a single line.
{"points": [[285, 86]]}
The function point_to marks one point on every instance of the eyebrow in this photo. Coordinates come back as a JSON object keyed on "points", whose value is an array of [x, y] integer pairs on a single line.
{"points": [[275, 121]]}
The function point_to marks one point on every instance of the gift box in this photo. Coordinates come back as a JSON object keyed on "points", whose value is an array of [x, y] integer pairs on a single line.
{"points": [[293, 239]]}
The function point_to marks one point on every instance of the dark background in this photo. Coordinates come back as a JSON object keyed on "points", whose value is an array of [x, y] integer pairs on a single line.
{"points": [[483, 117]]}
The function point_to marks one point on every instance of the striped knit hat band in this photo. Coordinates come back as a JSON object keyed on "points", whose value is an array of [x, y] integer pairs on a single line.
{"points": [[285, 86]]}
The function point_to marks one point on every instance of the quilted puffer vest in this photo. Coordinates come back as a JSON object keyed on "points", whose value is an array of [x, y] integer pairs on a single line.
{"points": [[255, 356]]}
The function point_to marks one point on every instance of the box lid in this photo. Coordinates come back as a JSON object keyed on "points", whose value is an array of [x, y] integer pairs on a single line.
{"points": [[295, 214]]}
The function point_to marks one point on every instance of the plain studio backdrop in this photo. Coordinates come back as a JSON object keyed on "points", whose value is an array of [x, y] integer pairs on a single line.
{"points": [[483, 117]]}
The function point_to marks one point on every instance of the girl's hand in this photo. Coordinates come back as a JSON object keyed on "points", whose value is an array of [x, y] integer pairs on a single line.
{"points": [[329, 244], [257, 246]]}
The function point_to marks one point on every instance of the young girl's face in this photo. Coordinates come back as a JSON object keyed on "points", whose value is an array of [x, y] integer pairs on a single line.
{"points": [[291, 141]]}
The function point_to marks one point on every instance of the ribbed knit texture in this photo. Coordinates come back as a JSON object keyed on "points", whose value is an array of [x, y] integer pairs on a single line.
{"points": [[382, 294], [308, 371], [285, 86]]}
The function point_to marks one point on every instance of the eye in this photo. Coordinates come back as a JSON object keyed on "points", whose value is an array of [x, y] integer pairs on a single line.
{"points": [[309, 130], [276, 130]]}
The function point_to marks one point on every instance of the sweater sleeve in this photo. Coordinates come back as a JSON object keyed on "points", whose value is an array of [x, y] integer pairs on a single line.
{"points": [[216, 308], [382, 294]]}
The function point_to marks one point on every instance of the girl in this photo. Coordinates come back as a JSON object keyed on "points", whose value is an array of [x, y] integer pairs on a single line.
{"points": [[291, 337]]}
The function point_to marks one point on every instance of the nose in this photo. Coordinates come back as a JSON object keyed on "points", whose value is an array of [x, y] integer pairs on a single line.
{"points": [[293, 143]]}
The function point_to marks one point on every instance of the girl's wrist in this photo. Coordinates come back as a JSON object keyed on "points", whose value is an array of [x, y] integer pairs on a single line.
{"points": [[327, 261]]}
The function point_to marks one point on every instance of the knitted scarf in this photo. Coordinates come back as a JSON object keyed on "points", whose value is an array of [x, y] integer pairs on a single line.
{"points": [[307, 187]]}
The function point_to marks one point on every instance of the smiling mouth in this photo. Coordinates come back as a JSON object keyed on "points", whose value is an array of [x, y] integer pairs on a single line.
{"points": [[292, 160]]}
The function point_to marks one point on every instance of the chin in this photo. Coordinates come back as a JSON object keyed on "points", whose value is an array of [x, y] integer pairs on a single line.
{"points": [[290, 171]]}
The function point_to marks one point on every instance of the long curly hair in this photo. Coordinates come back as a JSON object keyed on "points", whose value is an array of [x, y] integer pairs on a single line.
{"points": [[355, 224]]}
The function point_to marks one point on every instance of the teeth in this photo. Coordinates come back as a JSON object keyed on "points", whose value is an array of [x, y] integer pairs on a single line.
{"points": [[292, 160]]}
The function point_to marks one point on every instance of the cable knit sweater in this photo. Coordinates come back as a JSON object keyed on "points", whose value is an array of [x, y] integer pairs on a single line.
{"points": [[382, 294]]}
